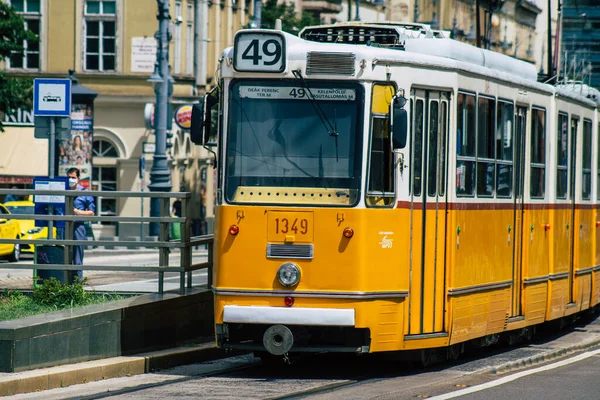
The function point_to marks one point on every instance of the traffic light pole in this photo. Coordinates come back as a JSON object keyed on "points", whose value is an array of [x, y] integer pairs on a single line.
{"points": [[160, 175]]}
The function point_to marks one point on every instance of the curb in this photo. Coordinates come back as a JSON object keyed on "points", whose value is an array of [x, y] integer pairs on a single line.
{"points": [[542, 358], [115, 367]]}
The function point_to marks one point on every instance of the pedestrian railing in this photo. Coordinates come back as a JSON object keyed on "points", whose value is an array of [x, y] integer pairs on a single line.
{"points": [[164, 244]]}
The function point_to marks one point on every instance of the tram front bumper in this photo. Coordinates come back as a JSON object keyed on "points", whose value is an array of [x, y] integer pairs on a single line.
{"points": [[283, 329], [289, 316]]}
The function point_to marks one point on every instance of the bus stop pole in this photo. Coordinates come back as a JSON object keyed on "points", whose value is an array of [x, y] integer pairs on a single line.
{"points": [[51, 171]]}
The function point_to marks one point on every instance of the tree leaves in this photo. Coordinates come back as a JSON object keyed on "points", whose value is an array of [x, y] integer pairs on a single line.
{"points": [[14, 92], [290, 23]]}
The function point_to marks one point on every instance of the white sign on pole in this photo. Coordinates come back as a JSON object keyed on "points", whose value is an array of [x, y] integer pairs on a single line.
{"points": [[49, 185], [52, 97], [143, 54]]}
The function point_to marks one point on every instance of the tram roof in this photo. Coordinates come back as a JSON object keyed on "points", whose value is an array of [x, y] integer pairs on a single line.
{"points": [[417, 44]]}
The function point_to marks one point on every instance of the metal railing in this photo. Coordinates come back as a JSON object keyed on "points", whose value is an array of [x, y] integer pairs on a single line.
{"points": [[164, 244]]}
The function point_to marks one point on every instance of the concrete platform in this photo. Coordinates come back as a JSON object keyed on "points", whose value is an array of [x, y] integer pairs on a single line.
{"points": [[114, 367]]}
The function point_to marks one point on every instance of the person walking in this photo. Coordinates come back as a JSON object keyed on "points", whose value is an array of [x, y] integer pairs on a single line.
{"points": [[82, 205]]}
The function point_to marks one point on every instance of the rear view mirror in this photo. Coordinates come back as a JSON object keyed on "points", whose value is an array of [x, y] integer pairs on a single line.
{"points": [[200, 131], [399, 122], [197, 128]]}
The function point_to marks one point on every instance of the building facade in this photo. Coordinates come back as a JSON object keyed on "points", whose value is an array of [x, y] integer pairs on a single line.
{"points": [[110, 47], [580, 56], [506, 26]]}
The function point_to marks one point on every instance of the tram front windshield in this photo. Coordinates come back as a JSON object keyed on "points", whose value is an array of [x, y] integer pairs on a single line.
{"points": [[293, 134]]}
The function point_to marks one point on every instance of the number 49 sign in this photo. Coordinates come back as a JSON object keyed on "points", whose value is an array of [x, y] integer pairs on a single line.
{"points": [[259, 52]]}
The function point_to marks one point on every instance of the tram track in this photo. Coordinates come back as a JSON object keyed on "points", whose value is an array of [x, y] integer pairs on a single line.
{"points": [[167, 382]]}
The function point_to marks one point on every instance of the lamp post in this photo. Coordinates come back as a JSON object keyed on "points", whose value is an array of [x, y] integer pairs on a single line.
{"points": [[160, 176]]}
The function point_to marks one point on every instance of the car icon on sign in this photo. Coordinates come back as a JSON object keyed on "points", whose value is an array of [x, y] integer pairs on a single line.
{"points": [[51, 99]]}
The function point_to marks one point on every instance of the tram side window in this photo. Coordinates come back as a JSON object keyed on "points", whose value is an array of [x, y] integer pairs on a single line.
{"points": [[485, 147], [586, 182], [417, 148], [465, 145], [598, 165], [432, 162], [538, 154], [381, 174], [504, 148], [562, 146], [444, 133]]}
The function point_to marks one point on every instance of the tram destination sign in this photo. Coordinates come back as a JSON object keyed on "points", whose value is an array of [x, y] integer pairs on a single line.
{"points": [[296, 93], [259, 52]]}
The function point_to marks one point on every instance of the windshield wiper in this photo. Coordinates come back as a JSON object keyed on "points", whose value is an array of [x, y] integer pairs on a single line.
{"points": [[331, 128]]}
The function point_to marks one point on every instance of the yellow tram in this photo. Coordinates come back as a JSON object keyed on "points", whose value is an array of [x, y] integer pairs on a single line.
{"points": [[385, 188]]}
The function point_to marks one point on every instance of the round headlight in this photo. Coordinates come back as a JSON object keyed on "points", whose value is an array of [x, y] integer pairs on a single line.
{"points": [[288, 274]]}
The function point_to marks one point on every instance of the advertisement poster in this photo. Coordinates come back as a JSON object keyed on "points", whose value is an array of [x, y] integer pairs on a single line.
{"points": [[77, 151]]}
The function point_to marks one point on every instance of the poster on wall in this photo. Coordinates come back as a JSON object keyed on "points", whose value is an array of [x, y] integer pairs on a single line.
{"points": [[77, 151]]}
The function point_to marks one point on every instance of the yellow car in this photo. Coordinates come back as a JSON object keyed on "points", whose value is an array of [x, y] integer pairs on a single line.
{"points": [[9, 229], [28, 228]]}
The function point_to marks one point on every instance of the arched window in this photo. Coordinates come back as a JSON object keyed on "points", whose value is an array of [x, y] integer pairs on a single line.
{"points": [[104, 148], [104, 177]]}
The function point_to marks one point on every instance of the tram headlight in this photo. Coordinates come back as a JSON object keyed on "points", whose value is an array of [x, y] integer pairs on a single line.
{"points": [[288, 274]]}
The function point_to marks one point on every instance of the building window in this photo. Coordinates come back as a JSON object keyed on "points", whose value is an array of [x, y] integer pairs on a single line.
{"points": [[104, 148], [189, 57], [30, 11], [100, 35], [538, 154], [104, 178], [178, 18]]}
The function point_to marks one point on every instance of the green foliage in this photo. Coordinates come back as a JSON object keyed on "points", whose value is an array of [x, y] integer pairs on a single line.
{"points": [[286, 11], [47, 297], [60, 295], [14, 92]]}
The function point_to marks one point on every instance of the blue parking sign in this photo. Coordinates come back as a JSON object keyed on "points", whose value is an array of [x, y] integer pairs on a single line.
{"points": [[52, 97]]}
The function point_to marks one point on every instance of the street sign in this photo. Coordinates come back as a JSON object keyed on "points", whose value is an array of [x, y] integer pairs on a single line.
{"points": [[142, 167], [52, 97], [148, 148], [50, 204]]}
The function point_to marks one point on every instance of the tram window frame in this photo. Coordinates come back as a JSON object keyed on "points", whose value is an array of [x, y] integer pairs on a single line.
{"points": [[486, 147], [466, 117], [444, 148], [505, 159], [380, 149], [586, 161], [416, 183], [538, 158], [598, 163], [562, 168], [432, 150]]}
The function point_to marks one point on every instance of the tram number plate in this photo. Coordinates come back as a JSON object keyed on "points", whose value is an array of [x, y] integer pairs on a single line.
{"points": [[282, 226]]}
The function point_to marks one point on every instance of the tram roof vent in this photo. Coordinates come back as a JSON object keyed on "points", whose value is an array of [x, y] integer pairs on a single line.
{"points": [[380, 34], [330, 63]]}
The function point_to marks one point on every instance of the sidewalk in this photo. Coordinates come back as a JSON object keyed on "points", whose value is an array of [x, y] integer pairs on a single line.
{"points": [[579, 338]]}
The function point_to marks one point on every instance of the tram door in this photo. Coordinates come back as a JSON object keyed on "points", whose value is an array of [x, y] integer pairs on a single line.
{"points": [[428, 216], [519, 143], [572, 196]]}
